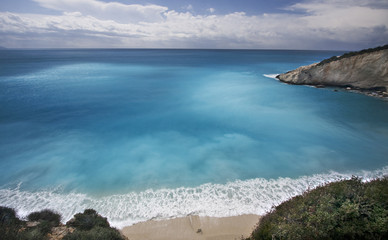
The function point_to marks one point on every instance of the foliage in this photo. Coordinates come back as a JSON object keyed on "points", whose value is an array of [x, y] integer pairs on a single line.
{"points": [[89, 225], [45, 215], [47, 220], [351, 54], [347, 209], [8, 216], [34, 233], [9, 223], [96, 233], [87, 220]]}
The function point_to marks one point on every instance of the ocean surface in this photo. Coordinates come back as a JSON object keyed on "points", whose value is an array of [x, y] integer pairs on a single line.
{"points": [[140, 134]]}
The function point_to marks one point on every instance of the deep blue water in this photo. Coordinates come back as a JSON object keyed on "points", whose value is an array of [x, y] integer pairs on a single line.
{"points": [[103, 122]]}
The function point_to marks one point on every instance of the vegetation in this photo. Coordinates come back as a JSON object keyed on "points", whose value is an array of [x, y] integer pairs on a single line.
{"points": [[11, 227], [9, 223], [45, 215], [91, 225], [47, 219], [88, 225], [348, 209], [351, 54], [88, 220], [96, 233]]}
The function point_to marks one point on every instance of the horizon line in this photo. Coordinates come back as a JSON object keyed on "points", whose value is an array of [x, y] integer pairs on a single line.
{"points": [[151, 48]]}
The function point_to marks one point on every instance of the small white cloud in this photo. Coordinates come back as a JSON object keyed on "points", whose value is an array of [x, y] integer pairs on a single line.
{"points": [[188, 7], [123, 13], [74, 14], [211, 10]]}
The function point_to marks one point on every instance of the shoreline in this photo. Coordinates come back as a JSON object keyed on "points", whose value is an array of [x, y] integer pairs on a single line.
{"points": [[337, 88], [376, 93], [193, 227], [253, 196]]}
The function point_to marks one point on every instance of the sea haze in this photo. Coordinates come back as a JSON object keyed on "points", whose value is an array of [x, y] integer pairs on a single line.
{"points": [[138, 134]]}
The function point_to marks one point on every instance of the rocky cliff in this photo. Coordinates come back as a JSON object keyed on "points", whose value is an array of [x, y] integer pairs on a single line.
{"points": [[365, 70]]}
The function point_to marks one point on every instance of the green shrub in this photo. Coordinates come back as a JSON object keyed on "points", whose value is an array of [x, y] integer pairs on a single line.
{"points": [[9, 223], [87, 220], [45, 226], [31, 234], [45, 215], [89, 226], [347, 209], [96, 233], [351, 54], [8, 217]]}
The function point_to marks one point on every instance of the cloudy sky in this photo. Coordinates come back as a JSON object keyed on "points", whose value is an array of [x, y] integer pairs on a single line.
{"points": [[258, 24]]}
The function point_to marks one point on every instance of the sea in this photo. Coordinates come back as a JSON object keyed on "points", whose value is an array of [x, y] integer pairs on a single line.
{"points": [[140, 134]]}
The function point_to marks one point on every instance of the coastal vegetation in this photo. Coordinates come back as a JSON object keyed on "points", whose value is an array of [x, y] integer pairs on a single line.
{"points": [[348, 209], [46, 225], [351, 54], [91, 225]]}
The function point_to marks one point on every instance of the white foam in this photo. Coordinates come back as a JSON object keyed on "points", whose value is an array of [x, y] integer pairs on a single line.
{"points": [[273, 76], [255, 196]]}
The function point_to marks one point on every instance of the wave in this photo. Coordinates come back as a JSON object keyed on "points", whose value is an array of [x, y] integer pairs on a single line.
{"points": [[273, 76], [255, 196]]}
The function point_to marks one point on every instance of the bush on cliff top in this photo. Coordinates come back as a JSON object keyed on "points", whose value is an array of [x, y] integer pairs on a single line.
{"points": [[91, 225], [88, 220], [12, 228], [347, 209], [88, 225], [45, 215], [96, 233], [9, 223], [351, 54]]}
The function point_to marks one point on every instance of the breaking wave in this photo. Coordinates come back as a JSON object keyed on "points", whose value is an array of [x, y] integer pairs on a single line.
{"points": [[271, 76], [255, 196]]}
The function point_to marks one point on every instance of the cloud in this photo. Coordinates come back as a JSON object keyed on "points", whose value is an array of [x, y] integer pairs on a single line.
{"points": [[337, 14], [334, 24], [344, 20], [119, 12], [211, 10], [188, 7]]}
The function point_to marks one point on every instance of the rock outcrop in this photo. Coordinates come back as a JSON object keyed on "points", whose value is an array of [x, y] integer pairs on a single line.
{"points": [[365, 70]]}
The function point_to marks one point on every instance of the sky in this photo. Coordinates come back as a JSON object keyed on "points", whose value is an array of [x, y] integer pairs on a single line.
{"points": [[219, 24]]}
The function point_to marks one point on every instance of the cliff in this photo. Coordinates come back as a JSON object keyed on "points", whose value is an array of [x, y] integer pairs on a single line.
{"points": [[364, 70]]}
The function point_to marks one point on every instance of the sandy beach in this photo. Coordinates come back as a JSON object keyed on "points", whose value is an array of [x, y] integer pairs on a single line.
{"points": [[193, 227]]}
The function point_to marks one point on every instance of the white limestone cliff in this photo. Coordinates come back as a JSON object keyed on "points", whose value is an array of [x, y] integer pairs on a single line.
{"points": [[365, 71]]}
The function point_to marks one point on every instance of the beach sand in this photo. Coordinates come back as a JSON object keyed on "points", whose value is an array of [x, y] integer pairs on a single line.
{"points": [[193, 227]]}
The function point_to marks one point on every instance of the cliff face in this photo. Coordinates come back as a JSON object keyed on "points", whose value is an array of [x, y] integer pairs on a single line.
{"points": [[364, 71]]}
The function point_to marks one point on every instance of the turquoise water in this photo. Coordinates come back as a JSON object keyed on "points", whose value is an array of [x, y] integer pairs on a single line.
{"points": [[138, 134]]}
